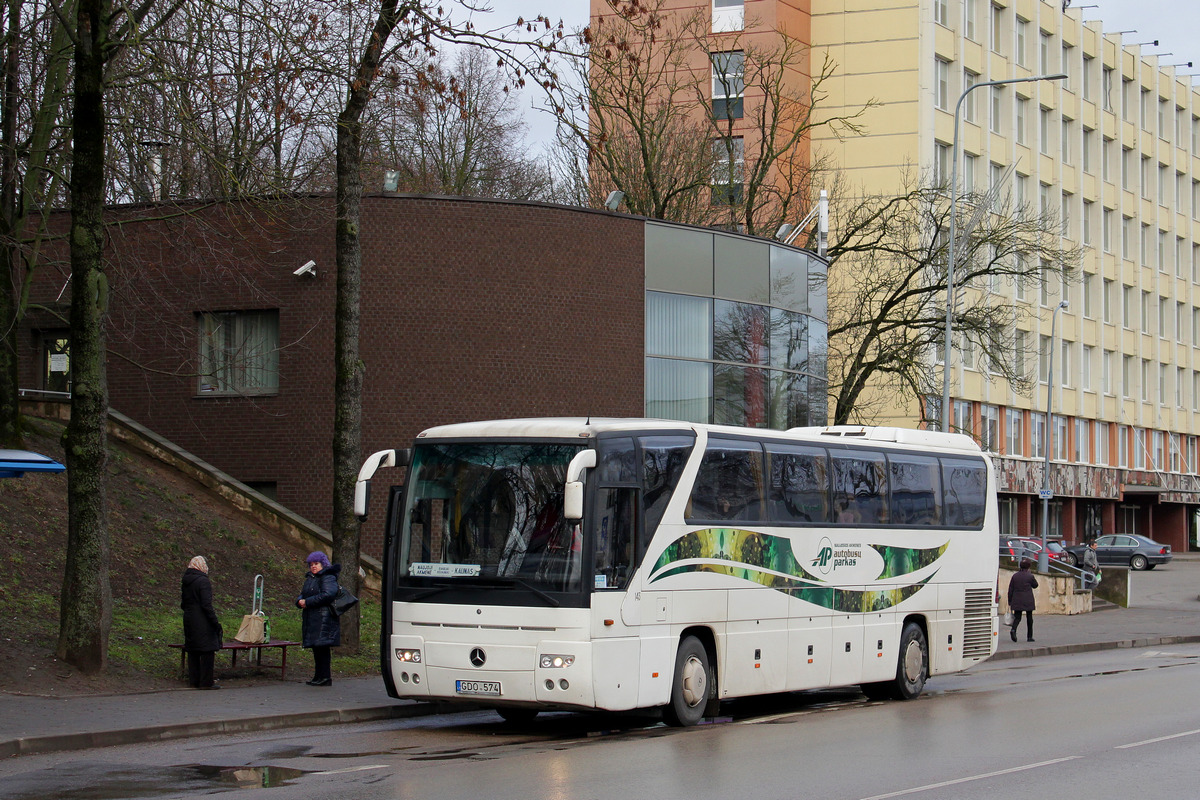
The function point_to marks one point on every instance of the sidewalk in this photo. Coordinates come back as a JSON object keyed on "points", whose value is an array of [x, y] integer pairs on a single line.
{"points": [[54, 724]]}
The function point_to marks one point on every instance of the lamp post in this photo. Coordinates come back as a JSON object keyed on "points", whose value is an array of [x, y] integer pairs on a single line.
{"points": [[1046, 492], [953, 225]]}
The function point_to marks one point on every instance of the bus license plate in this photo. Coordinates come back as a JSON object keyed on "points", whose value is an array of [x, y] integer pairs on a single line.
{"points": [[486, 688]]}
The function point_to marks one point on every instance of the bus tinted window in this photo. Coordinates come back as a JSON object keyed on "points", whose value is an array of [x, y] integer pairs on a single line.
{"points": [[663, 458], [616, 536], [916, 483], [729, 485], [966, 491], [799, 487], [859, 488], [617, 462]]}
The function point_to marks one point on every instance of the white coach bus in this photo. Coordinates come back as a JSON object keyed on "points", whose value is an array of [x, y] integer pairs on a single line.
{"points": [[635, 563]]}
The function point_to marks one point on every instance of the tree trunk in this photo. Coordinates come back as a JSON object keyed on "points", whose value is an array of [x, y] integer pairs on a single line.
{"points": [[86, 604], [348, 380], [347, 399], [10, 412]]}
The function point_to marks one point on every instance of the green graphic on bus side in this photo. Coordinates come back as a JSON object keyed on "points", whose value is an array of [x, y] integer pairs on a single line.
{"points": [[769, 561]]}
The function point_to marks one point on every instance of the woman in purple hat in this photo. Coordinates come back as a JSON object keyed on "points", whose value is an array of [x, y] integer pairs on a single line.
{"points": [[320, 626]]}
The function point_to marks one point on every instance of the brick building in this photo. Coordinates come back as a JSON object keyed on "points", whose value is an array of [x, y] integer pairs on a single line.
{"points": [[471, 309]]}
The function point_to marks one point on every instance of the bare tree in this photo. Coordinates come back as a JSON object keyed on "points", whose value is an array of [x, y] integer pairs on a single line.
{"points": [[887, 291], [101, 31], [455, 130], [33, 146], [695, 126]]}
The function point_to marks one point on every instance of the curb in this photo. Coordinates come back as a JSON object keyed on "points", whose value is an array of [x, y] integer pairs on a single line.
{"points": [[63, 742], [1090, 647]]}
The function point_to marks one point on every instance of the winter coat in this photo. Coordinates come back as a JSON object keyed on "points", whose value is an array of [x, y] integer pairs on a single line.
{"points": [[1090, 562], [1020, 591], [202, 631], [320, 625]]}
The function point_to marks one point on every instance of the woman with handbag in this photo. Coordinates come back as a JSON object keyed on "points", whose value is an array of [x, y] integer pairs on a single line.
{"points": [[320, 626], [202, 632]]}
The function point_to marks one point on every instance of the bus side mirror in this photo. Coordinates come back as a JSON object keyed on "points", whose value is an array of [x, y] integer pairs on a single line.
{"points": [[362, 487], [573, 500], [573, 490]]}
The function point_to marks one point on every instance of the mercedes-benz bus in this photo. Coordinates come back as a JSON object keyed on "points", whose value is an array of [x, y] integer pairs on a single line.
{"points": [[623, 564]]}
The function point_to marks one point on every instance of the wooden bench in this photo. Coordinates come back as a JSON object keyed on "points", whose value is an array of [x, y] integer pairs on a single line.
{"points": [[236, 647]]}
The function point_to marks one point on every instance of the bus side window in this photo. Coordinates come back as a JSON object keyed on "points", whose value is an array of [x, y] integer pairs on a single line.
{"points": [[859, 488], [798, 490], [663, 459], [966, 491], [616, 536], [916, 490], [729, 485]]}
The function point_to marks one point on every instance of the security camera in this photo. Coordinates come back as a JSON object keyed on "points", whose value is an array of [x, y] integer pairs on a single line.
{"points": [[309, 268]]}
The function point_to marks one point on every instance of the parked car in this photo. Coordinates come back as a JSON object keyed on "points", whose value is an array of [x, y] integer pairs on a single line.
{"points": [[1124, 549], [1016, 548]]}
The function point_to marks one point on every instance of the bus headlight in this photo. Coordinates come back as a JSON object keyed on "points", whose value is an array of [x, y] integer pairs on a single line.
{"points": [[550, 661], [405, 654]]}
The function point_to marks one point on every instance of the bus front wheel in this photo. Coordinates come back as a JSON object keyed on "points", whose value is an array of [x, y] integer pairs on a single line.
{"points": [[691, 686]]}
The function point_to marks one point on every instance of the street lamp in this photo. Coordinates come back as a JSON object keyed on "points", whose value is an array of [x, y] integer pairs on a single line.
{"points": [[1046, 493], [953, 219]]}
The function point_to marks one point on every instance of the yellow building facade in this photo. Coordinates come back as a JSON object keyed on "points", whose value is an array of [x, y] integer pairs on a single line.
{"points": [[1114, 151]]}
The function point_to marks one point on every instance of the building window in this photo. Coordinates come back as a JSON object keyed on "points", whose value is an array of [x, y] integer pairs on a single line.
{"points": [[1106, 361], [1038, 426], [997, 29], [942, 84], [1126, 376], [728, 84], [239, 352], [1089, 137], [1013, 429], [1085, 363], [1022, 35], [970, 7], [989, 434], [1044, 131], [1122, 445], [1106, 229], [1022, 114], [1044, 52], [728, 179], [1106, 88], [1100, 448], [728, 15], [969, 80], [1089, 70], [941, 12], [996, 122]]}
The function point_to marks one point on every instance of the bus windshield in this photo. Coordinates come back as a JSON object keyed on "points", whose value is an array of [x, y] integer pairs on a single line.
{"points": [[490, 512]]}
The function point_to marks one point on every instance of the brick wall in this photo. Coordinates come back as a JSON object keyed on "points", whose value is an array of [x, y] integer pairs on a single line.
{"points": [[470, 310]]}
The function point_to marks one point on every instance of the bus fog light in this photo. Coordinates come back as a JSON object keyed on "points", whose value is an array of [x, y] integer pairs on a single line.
{"points": [[416, 678], [404, 677], [562, 684], [551, 661], [406, 654], [549, 685]]}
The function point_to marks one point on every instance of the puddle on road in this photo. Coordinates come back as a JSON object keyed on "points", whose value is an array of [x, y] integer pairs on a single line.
{"points": [[86, 782]]}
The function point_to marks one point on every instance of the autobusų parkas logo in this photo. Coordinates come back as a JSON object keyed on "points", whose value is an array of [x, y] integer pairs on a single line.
{"points": [[831, 556]]}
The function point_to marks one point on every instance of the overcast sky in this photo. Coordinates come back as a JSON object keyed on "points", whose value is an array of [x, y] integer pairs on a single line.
{"points": [[1174, 23]]}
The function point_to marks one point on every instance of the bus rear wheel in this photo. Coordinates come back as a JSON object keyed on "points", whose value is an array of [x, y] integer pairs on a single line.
{"points": [[691, 686], [912, 669]]}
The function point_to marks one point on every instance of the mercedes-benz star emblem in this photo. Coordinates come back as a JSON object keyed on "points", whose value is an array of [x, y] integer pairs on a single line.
{"points": [[478, 657]]}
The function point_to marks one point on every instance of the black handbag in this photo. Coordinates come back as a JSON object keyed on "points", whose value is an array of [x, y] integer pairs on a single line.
{"points": [[343, 601]]}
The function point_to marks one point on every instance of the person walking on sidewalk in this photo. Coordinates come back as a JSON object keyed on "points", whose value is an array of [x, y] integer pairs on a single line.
{"points": [[1020, 598], [202, 632], [320, 626], [1091, 565]]}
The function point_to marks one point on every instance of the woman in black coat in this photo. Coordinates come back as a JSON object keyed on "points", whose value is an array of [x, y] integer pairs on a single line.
{"points": [[320, 626], [202, 633], [1020, 598]]}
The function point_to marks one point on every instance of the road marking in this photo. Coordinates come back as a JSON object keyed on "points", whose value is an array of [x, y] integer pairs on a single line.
{"points": [[944, 784], [344, 770], [1155, 741]]}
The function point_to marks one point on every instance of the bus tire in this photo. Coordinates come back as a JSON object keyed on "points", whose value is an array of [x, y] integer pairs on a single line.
{"points": [[913, 668], [691, 686], [517, 715]]}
